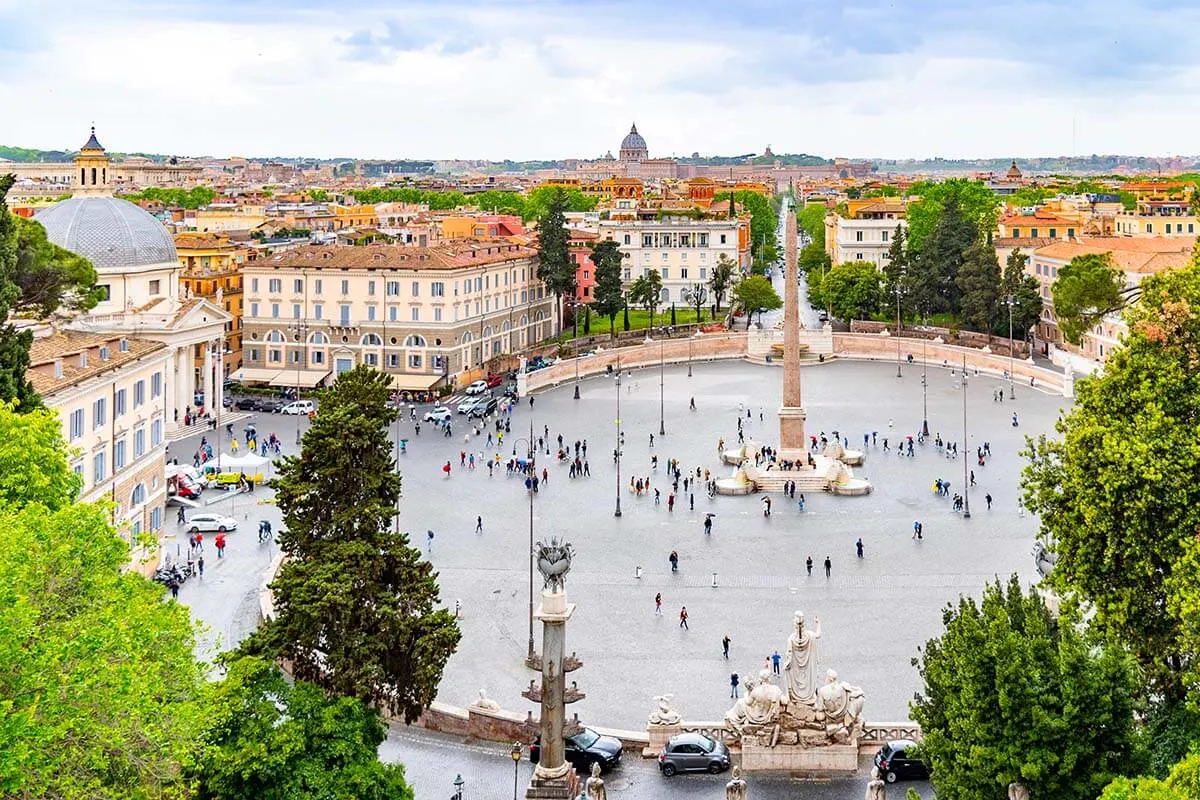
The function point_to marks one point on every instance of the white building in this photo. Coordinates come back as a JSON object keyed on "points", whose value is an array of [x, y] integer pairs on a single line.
{"points": [[683, 250], [866, 234]]}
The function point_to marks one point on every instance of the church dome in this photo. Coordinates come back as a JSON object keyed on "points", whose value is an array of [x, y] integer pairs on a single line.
{"points": [[109, 232], [633, 146]]}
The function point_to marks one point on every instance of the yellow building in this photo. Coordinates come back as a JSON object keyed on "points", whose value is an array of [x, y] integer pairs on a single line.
{"points": [[212, 269], [226, 217], [363, 216]]}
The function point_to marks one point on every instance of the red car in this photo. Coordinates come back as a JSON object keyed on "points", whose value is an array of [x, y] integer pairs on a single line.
{"points": [[494, 380]]}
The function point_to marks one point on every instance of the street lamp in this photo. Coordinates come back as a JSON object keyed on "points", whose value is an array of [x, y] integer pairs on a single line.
{"points": [[576, 373], [458, 784], [531, 475], [662, 345], [516, 757], [1012, 392], [924, 387], [966, 447], [898, 292], [691, 339], [617, 513]]}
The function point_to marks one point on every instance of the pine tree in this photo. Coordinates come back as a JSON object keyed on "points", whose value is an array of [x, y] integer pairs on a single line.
{"points": [[932, 276], [895, 271], [355, 603], [979, 282], [555, 267], [606, 295]]}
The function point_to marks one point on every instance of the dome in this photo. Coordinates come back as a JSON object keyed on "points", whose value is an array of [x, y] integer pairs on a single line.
{"points": [[111, 233], [633, 146]]}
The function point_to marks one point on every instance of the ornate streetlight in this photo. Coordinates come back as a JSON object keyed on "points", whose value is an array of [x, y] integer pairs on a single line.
{"points": [[458, 784], [531, 475], [924, 387], [662, 345], [1012, 392], [966, 447], [617, 452], [516, 757], [899, 291]]}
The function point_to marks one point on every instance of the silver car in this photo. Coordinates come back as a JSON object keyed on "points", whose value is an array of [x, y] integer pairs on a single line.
{"points": [[693, 752]]}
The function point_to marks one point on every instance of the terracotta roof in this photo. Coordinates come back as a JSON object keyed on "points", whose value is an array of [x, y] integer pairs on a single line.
{"points": [[883, 208], [458, 254], [1026, 220], [202, 241], [67, 345], [1129, 253], [1027, 242]]}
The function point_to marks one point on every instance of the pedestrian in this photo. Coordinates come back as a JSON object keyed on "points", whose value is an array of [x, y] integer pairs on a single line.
{"points": [[173, 585], [200, 565], [828, 566], [733, 685], [233, 445], [800, 502], [652, 440], [725, 646], [180, 518], [220, 542], [199, 541], [691, 502], [808, 564], [972, 477], [429, 541], [479, 523], [658, 605], [859, 547], [674, 559], [988, 499], [1014, 420], [766, 506], [708, 524], [670, 502], [683, 615], [775, 658]]}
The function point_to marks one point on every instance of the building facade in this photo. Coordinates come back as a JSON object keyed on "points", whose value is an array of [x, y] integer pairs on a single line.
{"points": [[865, 233], [212, 270], [426, 315]]}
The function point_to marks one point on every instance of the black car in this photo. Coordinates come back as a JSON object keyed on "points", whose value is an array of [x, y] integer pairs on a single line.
{"points": [[693, 752], [484, 407], [245, 403], [584, 749], [898, 760]]}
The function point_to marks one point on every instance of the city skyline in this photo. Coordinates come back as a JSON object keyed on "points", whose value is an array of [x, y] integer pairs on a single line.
{"points": [[553, 79]]}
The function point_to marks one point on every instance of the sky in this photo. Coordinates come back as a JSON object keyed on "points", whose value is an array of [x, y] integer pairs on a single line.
{"points": [[528, 79]]}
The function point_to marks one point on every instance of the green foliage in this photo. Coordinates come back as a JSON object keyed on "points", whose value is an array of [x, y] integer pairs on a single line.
{"points": [[980, 285], [763, 222], [673, 321], [587, 320], [1026, 293], [721, 278], [14, 344], [539, 200], [607, 297], [1087, 288], [186, 198], [895, 270], [50, 277], [1128, 200], [1117, 495], [975, 202], [318, 195], [626, 320], [555, 267], [647, 290], [266, 738], [355, 603], [881, 191], [755, 293], [813, 260], [934, 270], [1182, 784], [1169, 732], [1012, 694], [1029, 196], [100, 687], [853, 290], [811, 220]]}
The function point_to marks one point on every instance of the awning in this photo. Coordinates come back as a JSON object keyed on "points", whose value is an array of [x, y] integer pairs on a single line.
{"points": [[252, 375], [414, 382], [304, 378]]}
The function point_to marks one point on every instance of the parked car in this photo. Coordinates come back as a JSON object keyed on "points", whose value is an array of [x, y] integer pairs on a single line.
{"points": [[438, 414], [468, 405], [484, 406], [493, 380], [898, 760], [246, 403], [299, 407], [204, 523], [584, 749], [693, 752], [478, 387]]}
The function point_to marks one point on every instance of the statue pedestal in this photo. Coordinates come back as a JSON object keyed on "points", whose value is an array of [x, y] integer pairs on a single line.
{"points": [[658, 736], [832, 759], [564, 788]]}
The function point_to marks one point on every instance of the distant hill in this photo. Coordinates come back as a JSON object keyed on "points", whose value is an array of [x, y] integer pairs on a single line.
{"points": [[1091, 164], [28, 155]]}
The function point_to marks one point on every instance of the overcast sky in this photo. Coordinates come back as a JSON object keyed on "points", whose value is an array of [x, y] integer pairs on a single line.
{"points": [[564, 78]]}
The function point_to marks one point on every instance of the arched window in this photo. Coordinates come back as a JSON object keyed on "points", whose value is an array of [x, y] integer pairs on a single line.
{"points": [[415, 341], [666, 295], [274, 336], [506, 326], [487, 331], [371, 340], [318, 338], [524, 320], [139, 495], [467, 337]]}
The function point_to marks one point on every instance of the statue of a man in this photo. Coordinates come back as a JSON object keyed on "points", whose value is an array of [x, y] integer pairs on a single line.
{"points": [[800, 666], [876, 788], [1018, 791], [736, 788], [840, 701], [595, 785]]}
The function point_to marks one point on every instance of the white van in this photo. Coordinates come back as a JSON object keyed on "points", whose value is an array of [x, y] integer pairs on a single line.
{"points": [[299, 407]]}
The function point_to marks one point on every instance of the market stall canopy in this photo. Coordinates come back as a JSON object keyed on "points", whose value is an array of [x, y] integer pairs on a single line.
{"points": [[415, 382], [304, 378]]}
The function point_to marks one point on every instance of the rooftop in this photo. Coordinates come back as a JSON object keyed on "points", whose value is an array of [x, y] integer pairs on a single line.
{"points": [[459, 254], [1129, 253], [68, 345]]}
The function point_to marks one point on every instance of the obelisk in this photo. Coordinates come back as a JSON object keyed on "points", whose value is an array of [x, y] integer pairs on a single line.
{"points": [[791, 413]]}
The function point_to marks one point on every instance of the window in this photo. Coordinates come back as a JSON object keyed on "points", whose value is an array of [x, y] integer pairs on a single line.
{"points": [[884, 235], [393, 314], [318, 356], [414, 361], [99, 413], [295, 356], [119, 403], [155, 518], [722, 238], [703, 239], [1071, 232], [275, 310], [416, 314], [345, 287], [1149, 227], [665, 273], [393, 288], [156, 433], [105, 291], [318, 311], [858, 257], [416, 288], [371, 287], [683, 273], [858, 236], [371, 359], [437, 315], [155, 287], [1053, 233], [317, 286], [665, 256], [139, 442], [344, 313], [254, 284], [139, 394], [703, 272], [275, 285], [297, 285], [371, 313], [119, 455], [586, 275], [156, 385], [415, 341], [138, 496], [295, 311], [628, 239], [254, 309], [78, 470], [647, 240], [275, 356], [99, 467], [76, 423], [372, 340], [254, 354], [393, 360], [438, 288]]}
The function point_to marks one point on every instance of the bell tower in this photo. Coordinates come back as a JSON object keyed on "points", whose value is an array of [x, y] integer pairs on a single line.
{"points": [[91, 168]]}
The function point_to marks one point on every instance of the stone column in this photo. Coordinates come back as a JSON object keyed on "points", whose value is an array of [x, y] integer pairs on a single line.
{"points": [[182, 399], [209, 394], [791, 414], [554, 776]]}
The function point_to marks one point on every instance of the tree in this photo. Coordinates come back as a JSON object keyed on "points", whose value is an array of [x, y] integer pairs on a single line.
{"points": [[587, 320], [14, 344], [101, 689], [895, 270], [811, 220], [720, 280], [980, 285], [1025, 291], [764, 221], [50, 277], [625, 308], [696, 296], [647, 290], [756, 294], [673, 321], [555, 267], [1116, 494], [1182, 784], [975, 202], [932, 275], [853, 290], [539, 200], [1012, 694], [355, 603], [267, 738], [1087, 289], [607, 297]]}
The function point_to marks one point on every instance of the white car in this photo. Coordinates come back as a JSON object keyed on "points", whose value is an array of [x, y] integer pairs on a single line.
{"points": [[205, 523], [438, 414], [468, 405], [478, 387], [299, 407]]}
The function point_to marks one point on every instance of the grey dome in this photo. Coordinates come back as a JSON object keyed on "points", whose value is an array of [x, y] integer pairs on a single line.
{"points": [[111, 233], [633, 141]]}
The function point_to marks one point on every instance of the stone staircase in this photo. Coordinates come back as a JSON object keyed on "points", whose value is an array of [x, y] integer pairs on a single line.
{"points": [[807, 480]]}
